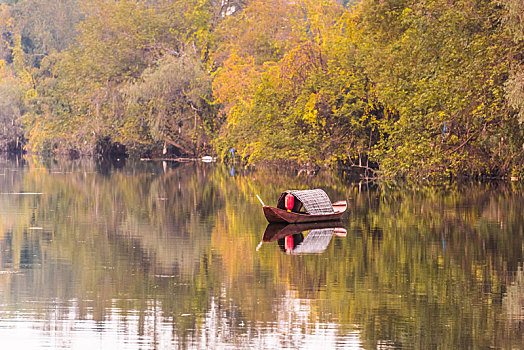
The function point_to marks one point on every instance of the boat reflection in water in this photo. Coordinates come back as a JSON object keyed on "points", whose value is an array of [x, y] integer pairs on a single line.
{"points": [[291, 238]]}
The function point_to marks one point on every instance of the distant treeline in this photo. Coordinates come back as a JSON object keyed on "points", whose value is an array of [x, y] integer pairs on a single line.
{"points": [[409, 88]]}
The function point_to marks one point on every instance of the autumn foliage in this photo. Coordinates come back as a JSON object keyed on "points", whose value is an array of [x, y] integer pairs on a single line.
{"points": [[395, 87]]}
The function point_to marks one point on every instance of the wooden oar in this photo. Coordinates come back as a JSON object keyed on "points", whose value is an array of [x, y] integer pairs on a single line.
{"points": [[261, 201]]}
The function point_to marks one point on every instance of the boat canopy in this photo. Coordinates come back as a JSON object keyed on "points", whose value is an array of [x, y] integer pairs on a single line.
{"points": [[314, 201]]}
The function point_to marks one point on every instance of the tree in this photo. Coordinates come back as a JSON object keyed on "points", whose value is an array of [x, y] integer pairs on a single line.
{"points": [[11, 108], [306, 101], [46, 26], [442, 67], [514, 21], [82, 101], [170, 102]]}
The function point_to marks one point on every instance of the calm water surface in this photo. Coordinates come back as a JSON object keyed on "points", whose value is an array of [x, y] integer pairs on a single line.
{"points": [[165, 255]]}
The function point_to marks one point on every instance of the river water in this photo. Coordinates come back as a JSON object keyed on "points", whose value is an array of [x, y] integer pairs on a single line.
{"points": [[160, 255]]}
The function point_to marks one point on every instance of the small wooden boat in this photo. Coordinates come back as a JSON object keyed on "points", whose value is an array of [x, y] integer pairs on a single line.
{"points": [[304, 206]]}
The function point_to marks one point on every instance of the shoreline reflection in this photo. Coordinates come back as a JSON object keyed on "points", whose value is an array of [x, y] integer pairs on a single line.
{"points": [[162, 254]]}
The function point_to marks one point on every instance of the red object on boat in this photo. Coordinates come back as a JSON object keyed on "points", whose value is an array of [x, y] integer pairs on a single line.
{"points": [[290, 202]]}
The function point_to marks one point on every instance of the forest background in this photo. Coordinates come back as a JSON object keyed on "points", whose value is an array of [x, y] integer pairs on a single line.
{"points": [[405, 88]]}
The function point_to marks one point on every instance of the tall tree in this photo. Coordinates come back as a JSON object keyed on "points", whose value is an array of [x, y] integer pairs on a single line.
{"points": [[121, 43], [170, 101], [305, 100], [442, 67], [46, 26], [514, 21]]}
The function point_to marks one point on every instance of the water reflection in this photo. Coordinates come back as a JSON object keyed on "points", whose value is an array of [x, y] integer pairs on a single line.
{"points": [[157, 255], [290, 238]]}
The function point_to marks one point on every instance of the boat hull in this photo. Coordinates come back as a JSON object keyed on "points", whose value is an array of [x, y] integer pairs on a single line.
{"points": [[276, 215]]}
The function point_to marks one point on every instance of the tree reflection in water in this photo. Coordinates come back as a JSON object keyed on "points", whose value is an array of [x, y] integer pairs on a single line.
{"points": [[154, 254]]}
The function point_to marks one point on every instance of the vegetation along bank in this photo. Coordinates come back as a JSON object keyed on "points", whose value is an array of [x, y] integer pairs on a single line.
{"points": [[411, 88]]}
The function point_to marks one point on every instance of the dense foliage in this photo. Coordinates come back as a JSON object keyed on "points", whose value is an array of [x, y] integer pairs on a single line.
{"points": [[408, 88]]}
